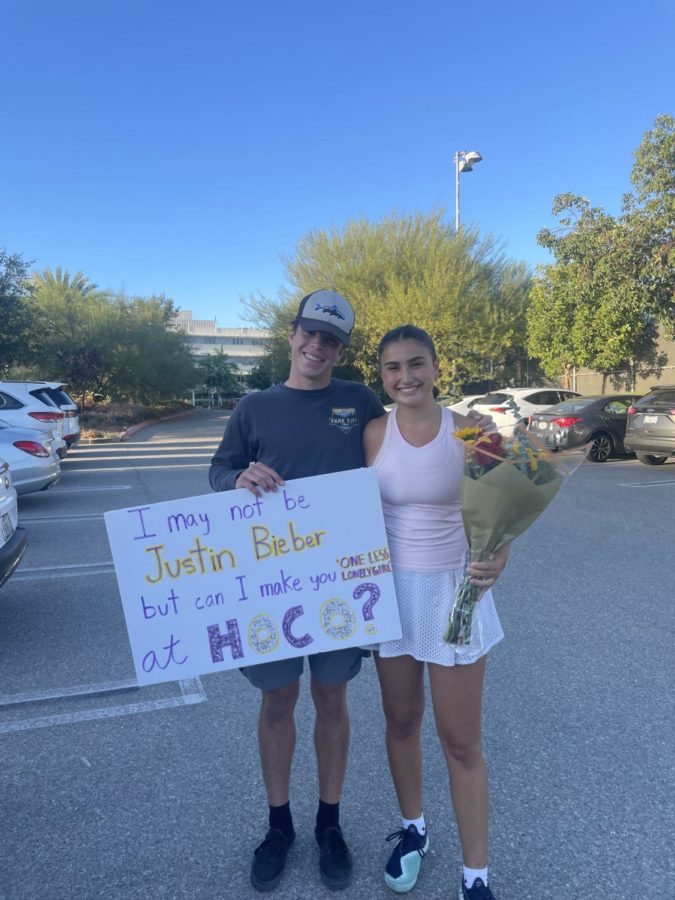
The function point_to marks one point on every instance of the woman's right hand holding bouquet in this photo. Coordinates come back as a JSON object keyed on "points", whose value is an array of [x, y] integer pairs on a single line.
{"points": [[484, 573]]}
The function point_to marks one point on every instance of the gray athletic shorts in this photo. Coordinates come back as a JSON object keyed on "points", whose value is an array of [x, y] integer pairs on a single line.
{"points": [[333, 668]]}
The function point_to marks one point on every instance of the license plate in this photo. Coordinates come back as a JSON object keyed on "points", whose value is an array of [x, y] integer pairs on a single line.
{"points": [[542, 426], [651, 420], [7, 527]]}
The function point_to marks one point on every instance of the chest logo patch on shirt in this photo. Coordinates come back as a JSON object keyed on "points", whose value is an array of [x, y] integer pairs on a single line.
{"points": [[344, 418]]}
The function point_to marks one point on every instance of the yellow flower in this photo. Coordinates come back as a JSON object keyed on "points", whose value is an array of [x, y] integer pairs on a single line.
{"points": [[534, 462], [467, 434]]}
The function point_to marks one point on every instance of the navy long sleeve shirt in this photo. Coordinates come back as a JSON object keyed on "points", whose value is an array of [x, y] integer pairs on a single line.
{"points": [[296, 432]]}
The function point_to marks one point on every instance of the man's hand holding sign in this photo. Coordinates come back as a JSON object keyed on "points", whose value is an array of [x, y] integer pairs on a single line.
{"points": [[234, 579]]}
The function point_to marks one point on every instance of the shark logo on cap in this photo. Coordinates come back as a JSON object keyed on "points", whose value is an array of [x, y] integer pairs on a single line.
{"points": [[329, 310]]}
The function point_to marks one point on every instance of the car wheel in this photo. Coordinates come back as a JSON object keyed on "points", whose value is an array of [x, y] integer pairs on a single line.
{"points": [[650, 460], [601, 448]]}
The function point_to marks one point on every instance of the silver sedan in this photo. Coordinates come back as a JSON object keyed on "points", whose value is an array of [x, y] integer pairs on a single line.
{"points": [[33, 462]]}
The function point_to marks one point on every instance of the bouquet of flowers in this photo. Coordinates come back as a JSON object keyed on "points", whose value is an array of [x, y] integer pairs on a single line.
{"points": [[508, 482]]}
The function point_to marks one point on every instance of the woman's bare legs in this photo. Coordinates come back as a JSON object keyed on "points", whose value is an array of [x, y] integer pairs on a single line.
{"points": [[457, 698], [402, 686], [456, 693]]}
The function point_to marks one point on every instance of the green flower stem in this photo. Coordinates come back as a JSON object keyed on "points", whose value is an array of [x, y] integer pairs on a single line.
{"points": [[458, 629]]}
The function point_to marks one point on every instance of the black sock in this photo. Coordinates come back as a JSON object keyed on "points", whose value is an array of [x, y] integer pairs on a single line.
{"points": [[328, 815], [280, 817]]}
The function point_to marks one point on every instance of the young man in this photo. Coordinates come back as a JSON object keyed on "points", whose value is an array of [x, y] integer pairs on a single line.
{"points": [[310, 425]]}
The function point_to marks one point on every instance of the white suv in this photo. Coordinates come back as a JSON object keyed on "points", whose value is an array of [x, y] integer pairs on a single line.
{"points": [[512, 406], [27, 404], [70, 410]]}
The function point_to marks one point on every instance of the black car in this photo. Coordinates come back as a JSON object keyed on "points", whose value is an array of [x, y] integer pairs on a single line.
{"points": [[600, 420], [651, 426]]}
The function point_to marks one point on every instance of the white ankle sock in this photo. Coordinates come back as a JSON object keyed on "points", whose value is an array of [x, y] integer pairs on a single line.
{"points": [[419, 824], [470, 876]]}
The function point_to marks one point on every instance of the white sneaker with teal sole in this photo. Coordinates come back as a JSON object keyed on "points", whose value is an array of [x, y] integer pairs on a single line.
{"points": [[403, 867]]}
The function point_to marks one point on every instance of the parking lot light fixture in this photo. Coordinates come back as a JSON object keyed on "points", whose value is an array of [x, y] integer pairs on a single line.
{"points": [[464, 162]]}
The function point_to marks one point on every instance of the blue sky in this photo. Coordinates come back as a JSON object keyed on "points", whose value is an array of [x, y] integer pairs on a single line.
{"points": [[185, 147]]}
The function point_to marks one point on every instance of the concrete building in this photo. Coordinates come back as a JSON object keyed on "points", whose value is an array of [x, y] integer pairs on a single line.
{"points": [[243, 346]]}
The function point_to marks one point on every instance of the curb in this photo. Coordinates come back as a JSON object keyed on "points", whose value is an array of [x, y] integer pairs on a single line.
{"points": [[97, 440], [127, 433], [132, 429]]}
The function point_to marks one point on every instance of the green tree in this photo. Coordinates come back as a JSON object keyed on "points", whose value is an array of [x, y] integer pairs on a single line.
{"points": [[261, 376], [276, 317], [103, 343], [602, 302], [650, 215], [219, 373], [550, 320], [409, 269], [79, 330], [152, 362], [16, 320], [653, 174]]}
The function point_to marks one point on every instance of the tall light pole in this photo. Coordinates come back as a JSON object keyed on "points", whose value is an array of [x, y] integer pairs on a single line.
{"points": [[464, 162]]}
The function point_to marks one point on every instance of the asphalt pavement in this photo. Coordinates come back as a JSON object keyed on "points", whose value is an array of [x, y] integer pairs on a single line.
{"points": [[119, 792]]}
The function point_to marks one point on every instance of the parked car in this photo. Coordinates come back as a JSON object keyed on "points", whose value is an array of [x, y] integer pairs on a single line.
{"points": [[459, 406], [69, 408], [464, 405], [13, 540], [512, 406], [600, 420], [27, 404], [651, 426], [33, 462]]}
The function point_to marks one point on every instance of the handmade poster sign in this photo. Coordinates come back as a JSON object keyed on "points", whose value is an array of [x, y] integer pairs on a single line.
{"points": [[228, 579]]}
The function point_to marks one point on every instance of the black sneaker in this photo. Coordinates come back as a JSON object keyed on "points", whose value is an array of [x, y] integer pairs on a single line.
{"points": [[403, 867], [269, 859], [479, 891], [335, 860]]}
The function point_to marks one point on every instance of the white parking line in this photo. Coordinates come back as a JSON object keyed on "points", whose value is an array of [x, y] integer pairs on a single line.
{"points": [[95, 565], [643, 483], [70, 570], [192, 692], [105, 446], [179, 453], [177, 465], [78, 690], [89, 490], [69, 474], [95, 470], [37, 520]]}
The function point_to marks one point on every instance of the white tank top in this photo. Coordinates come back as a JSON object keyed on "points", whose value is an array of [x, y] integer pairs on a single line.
{"points": [[420, 491]]}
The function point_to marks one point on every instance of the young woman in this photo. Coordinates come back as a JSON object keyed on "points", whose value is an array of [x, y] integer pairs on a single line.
{"points": [[419, 465]]}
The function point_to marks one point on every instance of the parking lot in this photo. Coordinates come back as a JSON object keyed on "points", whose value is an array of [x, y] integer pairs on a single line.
{"points": [[115, 791]]}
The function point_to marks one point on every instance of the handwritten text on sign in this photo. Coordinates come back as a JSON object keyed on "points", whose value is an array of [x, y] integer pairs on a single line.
{"points": [[228, 580]]}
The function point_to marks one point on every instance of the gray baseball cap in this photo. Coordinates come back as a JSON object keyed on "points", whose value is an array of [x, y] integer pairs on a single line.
{"points": [[327, 311]]}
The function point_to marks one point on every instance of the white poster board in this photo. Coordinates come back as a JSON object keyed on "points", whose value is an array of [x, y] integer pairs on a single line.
{"points": [[227, 579]]}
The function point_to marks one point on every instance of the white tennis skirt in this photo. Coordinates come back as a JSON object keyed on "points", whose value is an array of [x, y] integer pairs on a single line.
{"points": [[424, 603]]}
